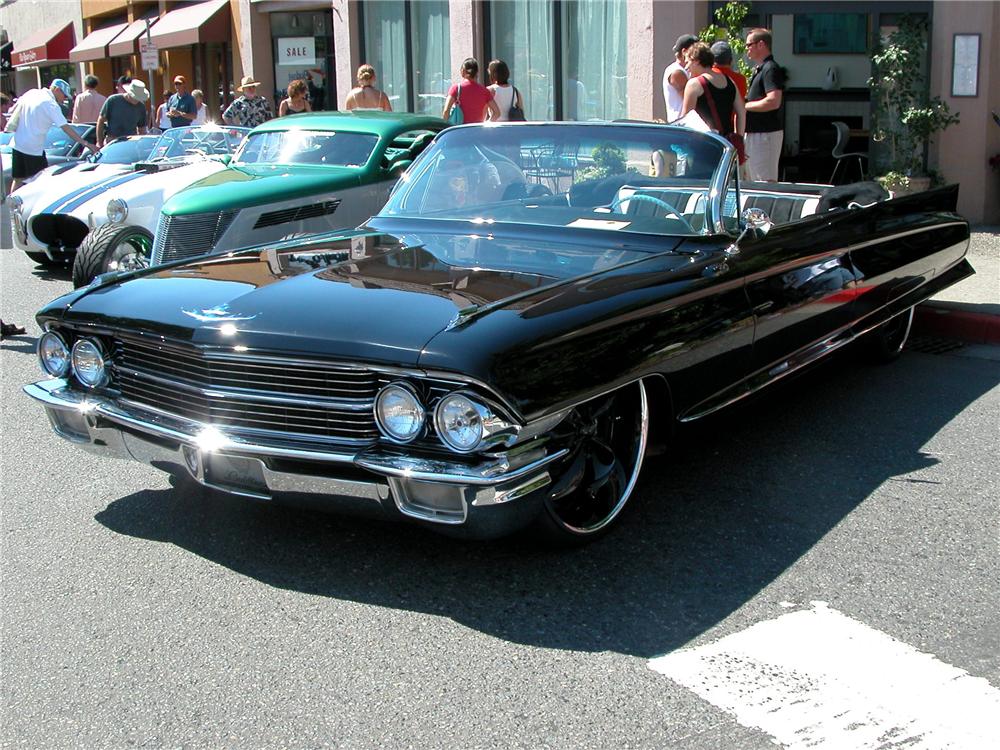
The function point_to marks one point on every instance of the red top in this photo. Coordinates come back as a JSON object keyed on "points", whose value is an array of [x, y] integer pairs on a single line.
{"points": [[473, 100], [735, 76]]}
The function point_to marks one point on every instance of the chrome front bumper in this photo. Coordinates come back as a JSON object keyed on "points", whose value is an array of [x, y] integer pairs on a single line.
{"points": [[469, 496]]}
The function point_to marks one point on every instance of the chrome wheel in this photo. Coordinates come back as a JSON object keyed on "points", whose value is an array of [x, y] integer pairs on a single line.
{"points": [[130, 254], [610, 435]]}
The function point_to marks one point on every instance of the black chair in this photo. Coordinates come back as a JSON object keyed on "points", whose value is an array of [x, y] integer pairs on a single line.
{"points": [[843, 136]]}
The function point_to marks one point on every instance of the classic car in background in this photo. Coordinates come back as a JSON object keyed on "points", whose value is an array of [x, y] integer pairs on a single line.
{"points": [[103, 220], [502, 339], [59, 147], [294, 176]]}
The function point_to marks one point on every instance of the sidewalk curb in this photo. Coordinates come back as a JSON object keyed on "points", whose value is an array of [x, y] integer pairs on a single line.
{"points": [[951, 321]]}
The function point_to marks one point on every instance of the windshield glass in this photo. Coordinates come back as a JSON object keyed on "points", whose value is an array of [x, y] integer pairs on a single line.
{"points": [[58, 143], [126, 151], [652, 179], [307, 147], [198, 141]]}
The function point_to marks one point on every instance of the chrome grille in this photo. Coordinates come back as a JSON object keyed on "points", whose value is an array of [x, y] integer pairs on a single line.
{"points": [[179, 237], [303, 398]]}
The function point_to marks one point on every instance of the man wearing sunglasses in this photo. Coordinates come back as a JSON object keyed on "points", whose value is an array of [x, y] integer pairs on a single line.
{"points": [[181, 108], [765, 116]]}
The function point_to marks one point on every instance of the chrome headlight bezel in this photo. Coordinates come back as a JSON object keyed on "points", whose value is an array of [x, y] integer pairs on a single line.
{"points": [[81, 348], [56, 372], [117, 210], [408, 393], [492, 430]]}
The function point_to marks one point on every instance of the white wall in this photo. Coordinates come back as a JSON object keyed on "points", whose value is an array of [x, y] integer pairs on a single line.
{"points": [[809, 71]]}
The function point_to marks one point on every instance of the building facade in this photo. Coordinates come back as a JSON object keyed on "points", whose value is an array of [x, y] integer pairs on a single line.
{"points": [[570, 59]]}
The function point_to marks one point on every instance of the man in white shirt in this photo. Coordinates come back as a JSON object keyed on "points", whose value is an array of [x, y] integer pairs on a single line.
{"points": [[675, 77], [37, 111]]}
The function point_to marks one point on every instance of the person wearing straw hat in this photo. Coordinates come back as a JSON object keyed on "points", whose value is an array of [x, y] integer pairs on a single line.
{"points": [[248, 110], [123, 114]]}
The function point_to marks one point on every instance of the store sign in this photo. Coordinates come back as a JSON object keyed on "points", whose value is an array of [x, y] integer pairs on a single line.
{"points": [[297, 50]]}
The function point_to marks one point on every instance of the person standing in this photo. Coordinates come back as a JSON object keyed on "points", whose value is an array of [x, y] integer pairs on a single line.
{"points": [[161, 120], [181, 108], [765, 114], [675, 77], [474, 99], [123, 114], [296, 102], [121, 83], [366, 96], [724, 64], [504, 93], [35, 112], [199, 102], [713, 96], [87, 106], [247, 110]]}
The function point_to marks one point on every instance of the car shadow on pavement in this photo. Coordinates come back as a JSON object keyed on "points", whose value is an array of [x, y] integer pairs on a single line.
{"points": [[53, 273], [737, 499]]}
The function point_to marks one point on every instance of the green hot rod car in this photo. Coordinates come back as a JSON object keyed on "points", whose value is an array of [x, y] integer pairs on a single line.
{"points": [[293, 177]]}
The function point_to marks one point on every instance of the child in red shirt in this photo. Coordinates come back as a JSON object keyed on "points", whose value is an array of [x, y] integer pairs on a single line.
{"points": [[474, 99]]}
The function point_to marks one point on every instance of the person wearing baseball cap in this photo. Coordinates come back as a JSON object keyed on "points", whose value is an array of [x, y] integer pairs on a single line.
{"points": [[123, 114], [724, 64], [36, 111], [181, 107], [675, 77]]}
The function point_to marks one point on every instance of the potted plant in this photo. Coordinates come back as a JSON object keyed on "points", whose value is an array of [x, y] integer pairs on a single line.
{"points": [[904, 117]]}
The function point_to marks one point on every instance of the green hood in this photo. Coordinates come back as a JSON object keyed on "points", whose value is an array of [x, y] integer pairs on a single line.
{"points": [[258, 185]]}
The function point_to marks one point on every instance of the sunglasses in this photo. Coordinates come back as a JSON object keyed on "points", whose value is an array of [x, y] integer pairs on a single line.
{"points": [[178, 83]]}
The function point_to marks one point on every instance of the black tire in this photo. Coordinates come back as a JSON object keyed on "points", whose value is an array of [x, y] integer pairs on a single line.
{"points": [[590, 495], [111, 247], [885, 343], [43, 260]]}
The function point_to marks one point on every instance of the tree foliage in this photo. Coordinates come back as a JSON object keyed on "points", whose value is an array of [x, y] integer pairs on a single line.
{"points": [[729, 28]]}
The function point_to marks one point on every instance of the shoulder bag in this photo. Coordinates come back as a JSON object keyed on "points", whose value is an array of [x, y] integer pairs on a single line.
{"points": [[515, 113], [734, 138], [456, 116]]}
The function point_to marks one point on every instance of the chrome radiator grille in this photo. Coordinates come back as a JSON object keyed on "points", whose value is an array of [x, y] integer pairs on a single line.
{"points": [[179, 237], [250, 394]]}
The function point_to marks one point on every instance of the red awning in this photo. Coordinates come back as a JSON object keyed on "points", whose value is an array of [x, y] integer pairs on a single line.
{"points": [[193, 24], [125, 43], [45, 47], [95, 45]]}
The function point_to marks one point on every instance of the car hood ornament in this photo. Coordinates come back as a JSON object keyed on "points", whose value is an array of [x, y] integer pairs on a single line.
{"points": [[217, 314]]}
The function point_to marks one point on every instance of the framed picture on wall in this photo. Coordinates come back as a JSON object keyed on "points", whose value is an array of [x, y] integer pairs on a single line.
{"points": [[830, 33], [965, 65]]}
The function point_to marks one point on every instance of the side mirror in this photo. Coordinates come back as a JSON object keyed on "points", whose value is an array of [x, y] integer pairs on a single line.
{"points": [[757, 222], [226, 158]]}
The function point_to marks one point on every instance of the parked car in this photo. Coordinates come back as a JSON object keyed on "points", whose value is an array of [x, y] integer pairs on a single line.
{"points": [[101, 220], [497, 345], [294, 176], [59, 147]]}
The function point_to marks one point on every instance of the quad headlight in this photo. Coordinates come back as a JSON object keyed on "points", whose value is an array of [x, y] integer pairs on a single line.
{"points": [[461, 422], [117, 210], [53, 354], [88, 363], [399, 413]]}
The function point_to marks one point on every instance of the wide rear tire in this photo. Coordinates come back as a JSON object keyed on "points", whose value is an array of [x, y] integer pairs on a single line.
{"points": [[588, 498], [112, 247]]}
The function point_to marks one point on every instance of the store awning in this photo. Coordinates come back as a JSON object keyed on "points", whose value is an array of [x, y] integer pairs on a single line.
{"points": [[45, 47], [194, 24], [95, 45], [125, 43]]}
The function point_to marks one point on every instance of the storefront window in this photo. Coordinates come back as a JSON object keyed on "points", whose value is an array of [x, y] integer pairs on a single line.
{"points": [[409, 46], [303, 49], [594, 86], [521, 34]]}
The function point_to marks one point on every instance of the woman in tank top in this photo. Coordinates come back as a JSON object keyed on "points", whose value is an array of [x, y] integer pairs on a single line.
{"points": [[296, 102], [705, 82], [504, 94], [366, 96]]}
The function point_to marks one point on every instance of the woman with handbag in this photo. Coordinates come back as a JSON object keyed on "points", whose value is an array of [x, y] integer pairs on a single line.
{"points": [[505, 94], [714, 96], [469, 101]]}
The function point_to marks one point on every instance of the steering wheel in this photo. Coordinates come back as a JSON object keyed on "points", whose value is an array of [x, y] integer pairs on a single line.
{"points": [[662, 204]]}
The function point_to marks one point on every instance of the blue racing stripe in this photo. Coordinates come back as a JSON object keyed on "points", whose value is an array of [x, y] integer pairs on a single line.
{"points": [[78, 197]]}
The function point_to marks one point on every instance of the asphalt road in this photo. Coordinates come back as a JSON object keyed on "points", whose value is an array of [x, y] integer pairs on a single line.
{"points": [[134, 614]]}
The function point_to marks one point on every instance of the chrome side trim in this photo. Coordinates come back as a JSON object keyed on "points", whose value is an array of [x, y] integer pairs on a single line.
{"points": [[485, 474]]}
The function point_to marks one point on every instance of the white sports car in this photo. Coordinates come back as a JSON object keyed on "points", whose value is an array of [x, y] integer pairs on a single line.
{"points": [[75, 216]]}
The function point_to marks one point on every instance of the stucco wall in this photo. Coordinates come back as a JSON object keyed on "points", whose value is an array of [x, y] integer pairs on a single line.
{"points": [[963, 150], [24, 17]]}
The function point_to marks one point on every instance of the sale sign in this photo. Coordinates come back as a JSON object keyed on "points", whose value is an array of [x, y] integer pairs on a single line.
{"points": [[297, 50]]}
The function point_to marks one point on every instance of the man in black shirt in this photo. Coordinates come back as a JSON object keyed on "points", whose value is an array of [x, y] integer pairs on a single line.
{"points": [[765, 114]]}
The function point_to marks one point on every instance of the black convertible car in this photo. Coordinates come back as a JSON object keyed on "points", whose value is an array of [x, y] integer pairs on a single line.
{"points": [[494, 348]]}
